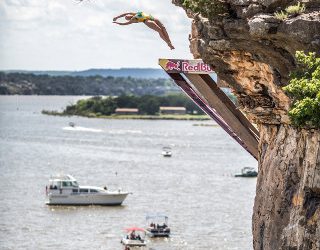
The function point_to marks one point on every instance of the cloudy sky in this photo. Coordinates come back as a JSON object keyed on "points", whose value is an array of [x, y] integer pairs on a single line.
{"points": [[66, 35]]}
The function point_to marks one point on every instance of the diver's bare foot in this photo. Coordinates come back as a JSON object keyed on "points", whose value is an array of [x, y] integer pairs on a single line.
{"points": [[171, 46]]}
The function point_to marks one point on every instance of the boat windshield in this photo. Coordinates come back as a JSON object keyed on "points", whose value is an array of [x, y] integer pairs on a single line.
{"points": [[69, 184]]}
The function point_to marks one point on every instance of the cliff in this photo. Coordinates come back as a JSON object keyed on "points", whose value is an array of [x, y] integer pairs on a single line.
{"points": [[253, 52]]}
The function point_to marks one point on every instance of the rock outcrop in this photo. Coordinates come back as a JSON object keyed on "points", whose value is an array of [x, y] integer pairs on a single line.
{"points": [[253, 52]]}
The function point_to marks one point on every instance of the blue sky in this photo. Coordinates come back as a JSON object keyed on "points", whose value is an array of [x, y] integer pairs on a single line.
{"points": [[66, 35]]}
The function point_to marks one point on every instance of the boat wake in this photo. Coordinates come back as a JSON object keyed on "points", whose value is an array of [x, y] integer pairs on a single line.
{"points": [[123, 132], [83, 129]]}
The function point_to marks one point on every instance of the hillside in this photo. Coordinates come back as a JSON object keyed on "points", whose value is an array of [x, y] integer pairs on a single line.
{"points": [[32, 84], [145, 73]]}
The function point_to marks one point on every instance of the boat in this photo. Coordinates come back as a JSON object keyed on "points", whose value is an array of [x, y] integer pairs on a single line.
{"points": [[72, 124], [135, 237], [65, 190], [247, 172], [157, 225], [166, 152]]}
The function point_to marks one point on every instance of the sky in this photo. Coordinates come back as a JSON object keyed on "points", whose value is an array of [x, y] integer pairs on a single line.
{"points": [[67, 35]]}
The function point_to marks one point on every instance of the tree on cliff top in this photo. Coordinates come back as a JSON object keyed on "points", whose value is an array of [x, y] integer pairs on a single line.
{"points": [[304, 89]]}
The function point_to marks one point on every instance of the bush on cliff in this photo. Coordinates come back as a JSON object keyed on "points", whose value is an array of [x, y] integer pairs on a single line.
{"points": [[304, 88], [207, 8]]}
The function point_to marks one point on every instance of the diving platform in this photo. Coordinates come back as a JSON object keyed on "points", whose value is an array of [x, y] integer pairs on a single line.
{"points": [[193, 77]]}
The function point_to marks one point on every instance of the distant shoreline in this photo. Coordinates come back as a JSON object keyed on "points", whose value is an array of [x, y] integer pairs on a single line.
{"points": [[186, 117]]}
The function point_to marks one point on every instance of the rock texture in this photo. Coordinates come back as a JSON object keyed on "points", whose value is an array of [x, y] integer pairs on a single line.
{"points": [[253, 52]]}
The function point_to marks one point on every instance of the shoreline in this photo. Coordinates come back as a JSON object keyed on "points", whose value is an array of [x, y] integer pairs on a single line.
{"points": [[135, 117]]}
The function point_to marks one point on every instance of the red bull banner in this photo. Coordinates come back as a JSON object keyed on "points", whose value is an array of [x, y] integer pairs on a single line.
{"points": [[185, 66]]}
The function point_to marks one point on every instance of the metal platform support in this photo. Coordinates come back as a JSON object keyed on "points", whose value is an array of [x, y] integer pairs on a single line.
{"points": [[192, 76]]}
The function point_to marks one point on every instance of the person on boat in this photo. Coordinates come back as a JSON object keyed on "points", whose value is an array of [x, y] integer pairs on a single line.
{"points": [[152, 22], [133, 235]]}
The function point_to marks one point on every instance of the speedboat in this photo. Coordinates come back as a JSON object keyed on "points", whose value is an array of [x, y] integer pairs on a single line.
{"points": [[135, 237], [166, 152], [65, 190], [157, 225], [247, 172]]}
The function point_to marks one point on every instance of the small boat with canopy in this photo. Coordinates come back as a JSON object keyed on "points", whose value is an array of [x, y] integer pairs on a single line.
{"points": [[166, 152], [135, 237], [157, 225]]}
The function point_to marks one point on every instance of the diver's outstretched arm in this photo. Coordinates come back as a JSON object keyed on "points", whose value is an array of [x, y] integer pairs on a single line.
{"points": [[122, 15]]}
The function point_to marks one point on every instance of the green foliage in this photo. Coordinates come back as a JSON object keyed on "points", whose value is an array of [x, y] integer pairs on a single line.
{"points": [[296, 9], [281, 15], [207, 8], [147, 104], [304, 88], [94, 105], [289, 11]]}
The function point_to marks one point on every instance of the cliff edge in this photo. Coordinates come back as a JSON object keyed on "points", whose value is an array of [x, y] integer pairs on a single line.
{"points": [[253, 52]]}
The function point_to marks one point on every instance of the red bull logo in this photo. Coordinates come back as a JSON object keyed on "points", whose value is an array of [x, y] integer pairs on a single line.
{"points": [[185, 66], [198, 67], [173, 65]]}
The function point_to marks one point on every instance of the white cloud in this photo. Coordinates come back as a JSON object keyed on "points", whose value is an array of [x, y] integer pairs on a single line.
{"points": [[63, 34]]}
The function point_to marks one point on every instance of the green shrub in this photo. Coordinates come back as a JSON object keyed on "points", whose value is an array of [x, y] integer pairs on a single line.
{"points": [[290, 10], [207, 8], [296, 9], [304, 89], [281, 15]]}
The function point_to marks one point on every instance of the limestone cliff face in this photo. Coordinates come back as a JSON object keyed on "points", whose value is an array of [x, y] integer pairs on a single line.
{"points": [[253, 52]]}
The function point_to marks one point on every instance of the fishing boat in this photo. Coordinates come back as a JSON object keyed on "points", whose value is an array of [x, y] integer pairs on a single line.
{"points": [[135, 237], [166, 152], [247, 172], [157, 225], [65, 190]]}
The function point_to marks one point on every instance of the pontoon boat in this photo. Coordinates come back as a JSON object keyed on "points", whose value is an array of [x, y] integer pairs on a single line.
{"points": [[157, 225]]}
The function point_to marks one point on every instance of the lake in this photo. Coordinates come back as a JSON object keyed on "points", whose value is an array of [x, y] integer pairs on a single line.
{"points": [[208, 207]]}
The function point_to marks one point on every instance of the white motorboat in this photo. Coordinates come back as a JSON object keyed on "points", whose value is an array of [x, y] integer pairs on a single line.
{"points": [[135, 237], [247, 172], [157, 225], [65, 190], [166, 152]]}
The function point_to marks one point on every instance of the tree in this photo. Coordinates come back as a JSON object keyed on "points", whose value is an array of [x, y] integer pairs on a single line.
{"points": [[304, 89], [148, 105]]}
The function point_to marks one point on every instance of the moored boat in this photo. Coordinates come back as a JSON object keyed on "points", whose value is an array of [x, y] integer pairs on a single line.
{"points": [[166, 152], [247, 172], [65, 190]]}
